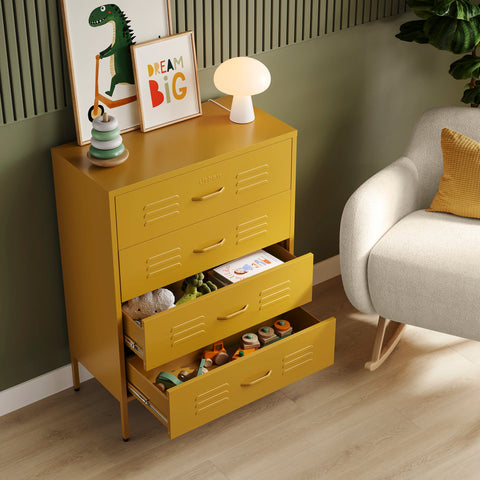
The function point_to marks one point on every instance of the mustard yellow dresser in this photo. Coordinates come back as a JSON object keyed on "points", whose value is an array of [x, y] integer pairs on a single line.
{"points": [[190, 197]]}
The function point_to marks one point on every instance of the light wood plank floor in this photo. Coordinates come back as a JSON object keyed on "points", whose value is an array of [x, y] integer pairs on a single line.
{"points": [[417, 417]]}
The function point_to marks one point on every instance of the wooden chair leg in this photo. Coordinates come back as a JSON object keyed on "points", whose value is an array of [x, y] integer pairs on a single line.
{"points": [[379, 354]]}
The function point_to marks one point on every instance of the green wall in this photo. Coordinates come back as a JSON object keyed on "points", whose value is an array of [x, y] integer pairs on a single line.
{"points": [[353, 95]]}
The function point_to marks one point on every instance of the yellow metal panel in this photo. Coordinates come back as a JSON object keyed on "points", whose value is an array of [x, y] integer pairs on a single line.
{"points": [[223, 389], [203, 193], [180, 148], [201, 246], [195, 324], [239, 382], [90, 275]]}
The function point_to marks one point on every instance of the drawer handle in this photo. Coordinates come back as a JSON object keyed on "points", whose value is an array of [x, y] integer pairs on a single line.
{"points": [[234, 314], [258, 380], [208, 195], [211, 247]]}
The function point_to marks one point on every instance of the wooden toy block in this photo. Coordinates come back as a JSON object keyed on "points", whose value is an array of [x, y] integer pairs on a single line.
{"points": [[267, 335], [282, 328]]}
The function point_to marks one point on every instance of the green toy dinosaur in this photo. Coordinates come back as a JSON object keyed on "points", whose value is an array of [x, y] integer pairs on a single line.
{"points": [[195, 287], [119, 50]]}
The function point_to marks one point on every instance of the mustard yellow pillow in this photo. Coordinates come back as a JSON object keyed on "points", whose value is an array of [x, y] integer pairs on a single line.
{"points": [[459, 187]]}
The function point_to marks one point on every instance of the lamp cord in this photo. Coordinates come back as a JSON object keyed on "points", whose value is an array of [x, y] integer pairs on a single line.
{"points": [[216, 103]]}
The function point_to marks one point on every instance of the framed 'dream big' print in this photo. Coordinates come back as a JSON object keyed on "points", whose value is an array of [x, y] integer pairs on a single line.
{"points": [[166, 80], [98, 38]]}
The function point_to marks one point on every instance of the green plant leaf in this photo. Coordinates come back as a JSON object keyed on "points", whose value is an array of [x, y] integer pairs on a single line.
{"points": [[472, 95], [467, 67], [413, 32], [457, 36], [441, 7], [462, 10], [423, 8]]}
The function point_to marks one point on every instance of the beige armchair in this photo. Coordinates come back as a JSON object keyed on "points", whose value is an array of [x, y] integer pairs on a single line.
{"points": [[403, 263]]}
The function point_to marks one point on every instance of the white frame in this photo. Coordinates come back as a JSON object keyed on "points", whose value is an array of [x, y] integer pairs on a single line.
{"points": [[149, 19], [157, 61]]}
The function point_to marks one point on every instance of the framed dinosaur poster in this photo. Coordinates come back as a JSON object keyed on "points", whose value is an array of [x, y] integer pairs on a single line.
{"points": [[98, 37], [166, 80]]}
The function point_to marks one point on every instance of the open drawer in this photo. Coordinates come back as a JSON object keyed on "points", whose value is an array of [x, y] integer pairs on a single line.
{"points": [[230, 309], [225, 388]]}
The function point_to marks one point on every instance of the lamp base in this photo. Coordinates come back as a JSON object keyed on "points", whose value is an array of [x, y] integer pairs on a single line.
{"points": [[242, 109]]}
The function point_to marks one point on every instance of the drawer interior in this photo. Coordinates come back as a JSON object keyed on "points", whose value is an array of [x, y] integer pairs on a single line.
{"points": [[226, 387], [298, 321], [176, 288]]}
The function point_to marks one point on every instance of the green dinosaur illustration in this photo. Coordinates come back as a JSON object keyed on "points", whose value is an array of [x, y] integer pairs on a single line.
{"points": [[119, 50]]}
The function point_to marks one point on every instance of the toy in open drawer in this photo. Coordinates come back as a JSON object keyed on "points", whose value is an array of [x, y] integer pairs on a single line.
{"points": [[227, 387], [194, 324]]}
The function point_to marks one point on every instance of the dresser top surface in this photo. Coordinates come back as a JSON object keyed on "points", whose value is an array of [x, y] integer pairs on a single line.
{"points": [[179, 147]]}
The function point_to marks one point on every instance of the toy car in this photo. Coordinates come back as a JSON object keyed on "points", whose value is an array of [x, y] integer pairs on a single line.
{"points": [[217, 354]]}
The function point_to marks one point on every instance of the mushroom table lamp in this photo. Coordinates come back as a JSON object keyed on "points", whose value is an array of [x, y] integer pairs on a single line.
{"points": [[242, 77]]}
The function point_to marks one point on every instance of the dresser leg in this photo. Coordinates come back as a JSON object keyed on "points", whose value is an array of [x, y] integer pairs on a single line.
{"points": [[124, 419], [75, 374]]}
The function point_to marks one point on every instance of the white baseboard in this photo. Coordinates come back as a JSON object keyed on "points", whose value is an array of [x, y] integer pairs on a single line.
{"points": [[40, 387], [60, 379], [326, 269]]}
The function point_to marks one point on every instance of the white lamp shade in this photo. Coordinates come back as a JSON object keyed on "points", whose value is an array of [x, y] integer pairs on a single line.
{"points": [[242, 76]]}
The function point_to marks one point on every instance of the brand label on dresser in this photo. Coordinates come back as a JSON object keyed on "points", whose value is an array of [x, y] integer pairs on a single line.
{"points": [[210, 178]]}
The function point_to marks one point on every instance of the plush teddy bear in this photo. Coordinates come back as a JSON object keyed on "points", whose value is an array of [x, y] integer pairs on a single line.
{"points": [[149, 304]]}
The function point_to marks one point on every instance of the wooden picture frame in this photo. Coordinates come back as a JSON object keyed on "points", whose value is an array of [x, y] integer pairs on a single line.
{"points": [[166, 80], [98, 39]]}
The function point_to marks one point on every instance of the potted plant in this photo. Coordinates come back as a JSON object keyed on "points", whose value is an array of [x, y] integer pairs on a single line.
{"points": [[452, 25]]}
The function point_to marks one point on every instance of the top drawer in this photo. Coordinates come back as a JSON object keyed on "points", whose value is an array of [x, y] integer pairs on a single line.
{"points": [[179, 201]]}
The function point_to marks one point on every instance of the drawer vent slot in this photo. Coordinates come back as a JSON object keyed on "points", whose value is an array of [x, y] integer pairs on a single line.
{"points": [[253, 177], [253, 228], [277, 293], [212, 398], [297, 359], [157, 264], [161, 209], [188, 330]]}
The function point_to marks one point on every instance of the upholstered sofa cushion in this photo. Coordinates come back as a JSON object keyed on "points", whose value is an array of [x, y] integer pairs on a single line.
{"points": [[459, 188], [425, 271]]}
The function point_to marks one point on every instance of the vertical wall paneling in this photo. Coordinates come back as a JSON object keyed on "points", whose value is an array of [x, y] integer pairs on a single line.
{"points": [[291, 21], [13, 60], [217, 42], [6, 88], [33, 62], [259, 25], [275, 24], [225, 24], [24, 62], [208, 20]]}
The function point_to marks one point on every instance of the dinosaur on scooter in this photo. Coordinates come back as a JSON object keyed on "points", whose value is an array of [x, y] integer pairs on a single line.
{"points": [[123, 36]]}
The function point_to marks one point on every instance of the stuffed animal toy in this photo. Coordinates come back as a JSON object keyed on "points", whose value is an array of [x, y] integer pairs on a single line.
{"points": [[195, 287], [149, 304]]}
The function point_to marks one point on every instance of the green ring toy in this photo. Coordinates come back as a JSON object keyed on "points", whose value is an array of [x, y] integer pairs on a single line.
{"points": [[102, 136], [112, 153]]}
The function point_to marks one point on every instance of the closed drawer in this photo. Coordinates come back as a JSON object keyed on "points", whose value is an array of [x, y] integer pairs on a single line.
{"points": [[195, 324], [228, 387], [192, 249], [180, 201]]}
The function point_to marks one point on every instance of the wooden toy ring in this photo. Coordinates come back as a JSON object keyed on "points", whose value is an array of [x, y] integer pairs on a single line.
{"points": [[101, 126], [107, 144], [102, 136], [282, 325]]}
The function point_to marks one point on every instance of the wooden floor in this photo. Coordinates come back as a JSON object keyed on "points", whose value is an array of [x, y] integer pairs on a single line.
{"points": [[417, 417]]}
